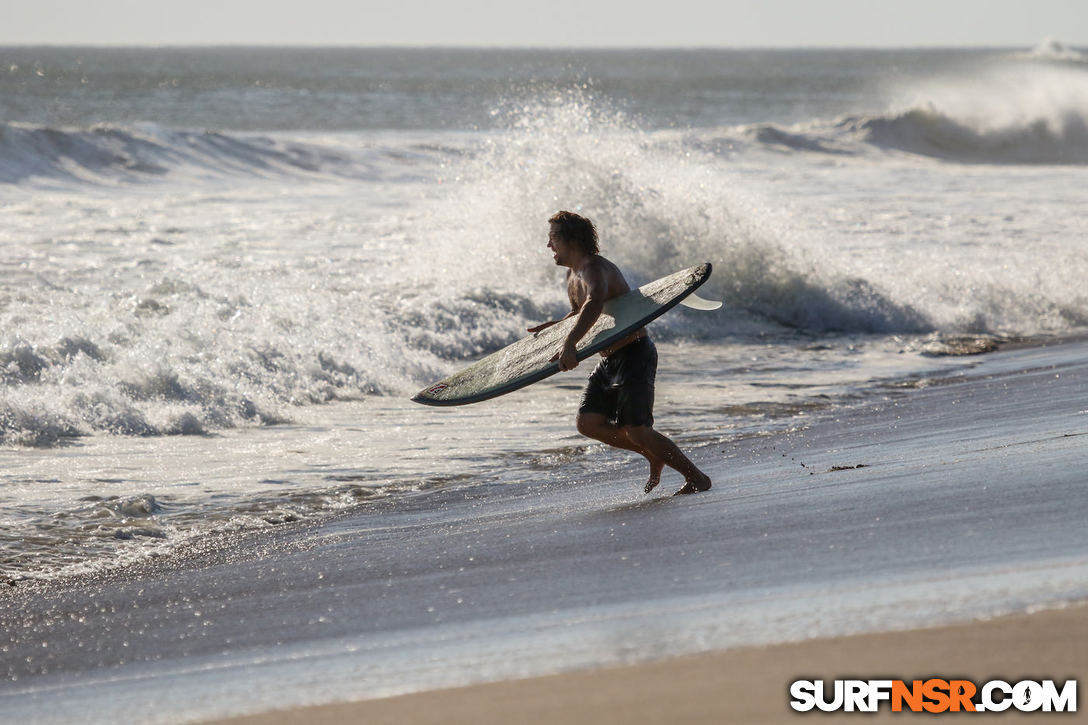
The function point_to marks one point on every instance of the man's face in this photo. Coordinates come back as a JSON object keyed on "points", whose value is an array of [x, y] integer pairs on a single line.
{"points": [[559, 246]]}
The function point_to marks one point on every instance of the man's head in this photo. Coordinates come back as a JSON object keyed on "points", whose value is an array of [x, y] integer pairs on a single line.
{"points": [[571, 230]]}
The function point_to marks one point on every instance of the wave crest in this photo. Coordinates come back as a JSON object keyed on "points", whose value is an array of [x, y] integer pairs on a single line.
{"points": [[1061, 139], [1005, 114], [110, 154], [1053, 50]]}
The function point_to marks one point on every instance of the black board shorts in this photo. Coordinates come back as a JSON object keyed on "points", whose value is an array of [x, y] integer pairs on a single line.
{"points": [[621, 387]]}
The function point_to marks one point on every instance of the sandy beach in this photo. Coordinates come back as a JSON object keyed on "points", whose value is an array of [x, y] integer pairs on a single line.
{"points": [[748, 685]]}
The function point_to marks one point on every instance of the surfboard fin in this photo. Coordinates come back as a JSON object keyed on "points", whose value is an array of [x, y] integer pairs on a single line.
{"points": [[696, 302]]}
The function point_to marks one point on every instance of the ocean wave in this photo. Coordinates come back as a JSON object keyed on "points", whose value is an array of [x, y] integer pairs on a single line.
{"points": [[1058, 137], [816, 137], [1008, 113], [1053, 51], [1005, 113], [161, 325], [663, 202], [928, 131], [111, 154], [661, 207]]}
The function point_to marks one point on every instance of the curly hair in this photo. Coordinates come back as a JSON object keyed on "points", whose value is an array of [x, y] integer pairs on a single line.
{"points": [[577, 229]]}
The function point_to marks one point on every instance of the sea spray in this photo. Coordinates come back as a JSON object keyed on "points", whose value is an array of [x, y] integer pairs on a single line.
{"points": [[1001, 113], [659, 205]]}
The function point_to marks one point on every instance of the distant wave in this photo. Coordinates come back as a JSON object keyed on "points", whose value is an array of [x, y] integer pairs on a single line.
{"points": [[112, 153], [1052, 50], [815, 138], [1005, 113], [1061, 138], [928, 131], [1008, 113]]}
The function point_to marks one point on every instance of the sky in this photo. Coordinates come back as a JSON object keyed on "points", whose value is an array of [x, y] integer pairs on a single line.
{"points": [[547, 23]]}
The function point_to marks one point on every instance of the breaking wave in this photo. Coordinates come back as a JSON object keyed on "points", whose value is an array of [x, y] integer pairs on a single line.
{"points": [[169, 326], [1045, 139], [1053, 50], [1058, 137], [1012, 113], [111, 154]]}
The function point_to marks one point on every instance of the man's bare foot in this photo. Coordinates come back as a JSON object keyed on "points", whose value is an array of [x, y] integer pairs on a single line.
{"points": [[695, 485], [655, 475]]}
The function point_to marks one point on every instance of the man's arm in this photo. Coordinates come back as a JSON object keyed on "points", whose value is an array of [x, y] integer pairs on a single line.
{"points": [[596, 291], [546, 325]]}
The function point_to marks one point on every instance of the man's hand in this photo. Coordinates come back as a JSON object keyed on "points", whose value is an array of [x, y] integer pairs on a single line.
{"points": [[567, 357], [542, 326]]}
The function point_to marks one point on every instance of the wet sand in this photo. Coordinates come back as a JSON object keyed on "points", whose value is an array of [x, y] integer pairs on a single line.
{"points": [[748, 685]]}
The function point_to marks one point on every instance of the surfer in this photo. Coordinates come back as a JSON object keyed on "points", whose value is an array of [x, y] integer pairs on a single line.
{"points": [[618, 402]]}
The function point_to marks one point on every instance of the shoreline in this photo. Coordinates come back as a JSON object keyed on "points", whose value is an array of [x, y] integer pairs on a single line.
{"points": [[211, 547], [955, 499], [749, 684], [207, 548]]}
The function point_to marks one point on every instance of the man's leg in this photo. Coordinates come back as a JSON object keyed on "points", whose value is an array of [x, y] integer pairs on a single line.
{"points": [[651, 443], [598, 427]]}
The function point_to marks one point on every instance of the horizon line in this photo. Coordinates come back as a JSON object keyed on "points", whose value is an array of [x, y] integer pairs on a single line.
{"points": [[529, 47]]}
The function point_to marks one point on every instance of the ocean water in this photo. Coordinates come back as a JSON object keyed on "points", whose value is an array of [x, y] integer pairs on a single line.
{"points": [[224, 271]]}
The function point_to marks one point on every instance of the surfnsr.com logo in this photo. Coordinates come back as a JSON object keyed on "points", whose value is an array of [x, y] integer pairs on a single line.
{"points": [[933, 696]]}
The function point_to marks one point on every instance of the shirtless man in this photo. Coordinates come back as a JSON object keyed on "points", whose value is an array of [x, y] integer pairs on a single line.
{"points": [[618, 402]]}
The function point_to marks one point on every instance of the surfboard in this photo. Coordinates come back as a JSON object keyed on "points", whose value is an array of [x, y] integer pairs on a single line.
{"points": [[529, 359]]}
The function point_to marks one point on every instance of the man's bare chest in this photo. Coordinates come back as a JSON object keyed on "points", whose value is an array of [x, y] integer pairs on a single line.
{"points": [[576, 291]]}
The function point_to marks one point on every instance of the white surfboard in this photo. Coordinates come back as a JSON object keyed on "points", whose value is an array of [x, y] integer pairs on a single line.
{"points": [[529, 359]]}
